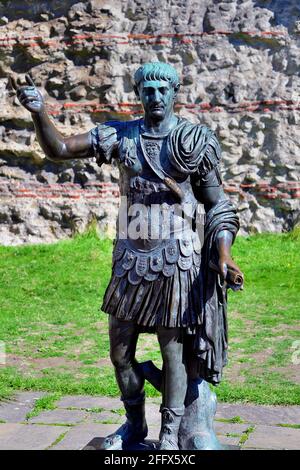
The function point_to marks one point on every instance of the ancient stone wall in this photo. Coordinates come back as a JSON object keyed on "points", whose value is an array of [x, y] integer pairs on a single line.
{"points": [[239, 62]]}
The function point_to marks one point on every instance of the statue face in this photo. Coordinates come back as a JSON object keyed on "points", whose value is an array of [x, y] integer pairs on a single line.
{"points": [[157, 97]]}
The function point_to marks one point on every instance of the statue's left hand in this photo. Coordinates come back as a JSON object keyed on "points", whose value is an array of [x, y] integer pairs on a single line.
{"points": [[225, 263]]}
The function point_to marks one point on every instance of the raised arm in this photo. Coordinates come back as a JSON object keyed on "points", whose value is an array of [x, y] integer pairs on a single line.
{"points": [[56, 147]]}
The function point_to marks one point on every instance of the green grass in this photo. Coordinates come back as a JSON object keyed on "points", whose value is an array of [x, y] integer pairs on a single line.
{"points": [[48, 402], [119, 411], [95, 409], [56, 337], [59, 439], [246, 434], [293, 426], [234, 419]]}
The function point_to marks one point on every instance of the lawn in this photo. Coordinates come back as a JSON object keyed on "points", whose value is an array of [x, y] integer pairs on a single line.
{"points": [[56, 338]]}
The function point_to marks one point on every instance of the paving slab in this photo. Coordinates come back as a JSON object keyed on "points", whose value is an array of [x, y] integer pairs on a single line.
{"points": [[81, 429], [275, 437], [106, 415], [153, 416], [28, 397], [58, 416], [79, 401], [148, 444], [90, 437], [260, 414], [79, 436], [153, 432], [16, 409], [14, 436], [232, 428], [231, 443]]}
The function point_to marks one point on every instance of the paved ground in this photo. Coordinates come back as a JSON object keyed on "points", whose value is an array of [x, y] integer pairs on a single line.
{"points": [[78, 420]]}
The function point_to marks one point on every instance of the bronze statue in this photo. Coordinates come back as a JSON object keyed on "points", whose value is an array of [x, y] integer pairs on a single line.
{"points": [[167, 283]]}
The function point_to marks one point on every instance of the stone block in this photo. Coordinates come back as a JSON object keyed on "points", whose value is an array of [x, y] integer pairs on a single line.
{"points": [[16, 409], [58, 416], [79, 401], [260, 414], [14, 436], [273, 437]]}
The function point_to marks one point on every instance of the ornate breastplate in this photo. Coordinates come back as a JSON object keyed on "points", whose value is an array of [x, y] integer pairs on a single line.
{"points": [[153, 148], [143, 160]]}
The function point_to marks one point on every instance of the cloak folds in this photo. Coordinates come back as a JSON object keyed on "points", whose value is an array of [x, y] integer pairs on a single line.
{"points": [[193, 148], [211, 340]]}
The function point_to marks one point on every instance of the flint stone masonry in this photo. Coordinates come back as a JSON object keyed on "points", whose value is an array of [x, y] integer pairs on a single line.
{"points": [[239, 67]]}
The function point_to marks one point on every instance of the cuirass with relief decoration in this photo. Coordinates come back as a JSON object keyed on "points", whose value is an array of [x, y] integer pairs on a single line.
{"points": [[176, 243]]}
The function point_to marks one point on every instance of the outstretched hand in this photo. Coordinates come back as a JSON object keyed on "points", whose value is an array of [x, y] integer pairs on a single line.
{"points": [[28, 95]]}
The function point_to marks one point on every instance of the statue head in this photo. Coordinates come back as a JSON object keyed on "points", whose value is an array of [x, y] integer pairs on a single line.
{"points": [[157, 71], [156, 85]]}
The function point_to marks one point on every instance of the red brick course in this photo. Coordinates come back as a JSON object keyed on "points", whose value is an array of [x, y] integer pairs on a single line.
{"points": [[105, 190]]}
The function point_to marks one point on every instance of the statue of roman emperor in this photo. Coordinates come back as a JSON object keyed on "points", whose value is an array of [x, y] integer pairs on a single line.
{"points": [[173, 283]]}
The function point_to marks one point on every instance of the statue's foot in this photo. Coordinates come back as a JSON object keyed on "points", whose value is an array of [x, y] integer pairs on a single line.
{"points": [[170, 422], [167, 444], [125, 436]]}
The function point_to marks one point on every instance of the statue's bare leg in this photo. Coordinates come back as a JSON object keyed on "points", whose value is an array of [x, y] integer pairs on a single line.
{"points": [[173, 388], [123, 339]]}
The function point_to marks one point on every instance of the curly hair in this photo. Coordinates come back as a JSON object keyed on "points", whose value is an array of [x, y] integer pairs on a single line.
{"points": [[157, 71]]}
